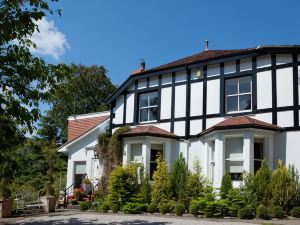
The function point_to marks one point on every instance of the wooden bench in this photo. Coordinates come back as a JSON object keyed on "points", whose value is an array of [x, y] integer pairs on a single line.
{"points": [[28, 202]]}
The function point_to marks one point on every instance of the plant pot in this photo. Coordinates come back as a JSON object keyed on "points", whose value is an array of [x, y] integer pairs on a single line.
{"points": [[5, 207], [88, 188], [50, 203]]}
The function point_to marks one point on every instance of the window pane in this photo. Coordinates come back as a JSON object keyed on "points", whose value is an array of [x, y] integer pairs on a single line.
{"points": [[231, 87], [143, 115], [143, 100], [245, 102], [245, 85], [153, 113], [136, 153], [232, 104], [153, 99]]}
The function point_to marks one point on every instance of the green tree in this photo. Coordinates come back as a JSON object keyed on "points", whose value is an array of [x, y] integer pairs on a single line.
{"points": [[196, 182], [161, 186], [178, 178], [83, 91], [226, 185], [283, 186], [25, 80], [261, 181]]}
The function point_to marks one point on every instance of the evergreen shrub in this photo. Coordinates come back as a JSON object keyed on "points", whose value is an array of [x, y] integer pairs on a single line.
{"points": [[262, 212], [246, 213], [164, 208], [84, 205], [295, 212], [235, 202], [152, 208], [226, 185], [134, 208], [179, 209], [215, 209], [277, 212], [104, 207], [194, 208]]}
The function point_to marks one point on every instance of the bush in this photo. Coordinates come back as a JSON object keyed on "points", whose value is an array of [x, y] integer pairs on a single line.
{"points": [[262, 212], [277, 212], [164, 208], [114, 207], [245, 213], [179, 209], [295, 212], [226, 185], [215, 209], [152, 208], [122, 185], [262, 183], [134, 208], [84, 205], [195, 182], [235, 202], [194, 208], [104, 207], [73, 202]]}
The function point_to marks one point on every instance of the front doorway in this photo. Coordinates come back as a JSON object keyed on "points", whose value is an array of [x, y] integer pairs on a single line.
{"points": [[156, 150], [258, 153], [79, 173]]}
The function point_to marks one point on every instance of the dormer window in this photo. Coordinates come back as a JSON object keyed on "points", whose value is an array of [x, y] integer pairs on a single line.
{"points": [[148, 107], [238, 94]]}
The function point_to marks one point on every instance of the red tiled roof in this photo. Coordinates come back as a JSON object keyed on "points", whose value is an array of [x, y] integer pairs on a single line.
{"points": [[242, 122], [78, 127], [149, 130]]}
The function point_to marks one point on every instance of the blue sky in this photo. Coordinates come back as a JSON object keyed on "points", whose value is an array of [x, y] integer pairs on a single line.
{"points": [[117, 34]]}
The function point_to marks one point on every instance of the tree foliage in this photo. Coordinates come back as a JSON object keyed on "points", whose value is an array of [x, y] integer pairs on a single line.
{"points": [[196, 182], [161, 186], [178, 178], [261, 181], [226, 185], [83, 91]]}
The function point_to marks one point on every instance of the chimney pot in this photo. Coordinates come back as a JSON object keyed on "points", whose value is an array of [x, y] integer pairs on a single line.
{"points": [[206, 45], [143, 64]]}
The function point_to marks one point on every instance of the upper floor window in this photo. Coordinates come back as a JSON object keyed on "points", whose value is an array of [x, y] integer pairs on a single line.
{"points": [[148, 107], [238, 94]]}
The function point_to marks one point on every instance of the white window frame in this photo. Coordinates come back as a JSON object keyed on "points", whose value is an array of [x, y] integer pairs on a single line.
{"points": [[238, 95], [147, 107]]}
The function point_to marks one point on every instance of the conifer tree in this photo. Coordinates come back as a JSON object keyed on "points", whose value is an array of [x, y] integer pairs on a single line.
{"points": [[261, 181], [226, 185]]}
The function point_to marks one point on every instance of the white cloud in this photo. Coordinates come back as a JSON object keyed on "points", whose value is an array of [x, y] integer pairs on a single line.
{"points": [[49, 40]]}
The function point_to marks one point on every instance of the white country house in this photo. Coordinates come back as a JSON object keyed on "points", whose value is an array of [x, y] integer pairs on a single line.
{"points": [[229, 109]]}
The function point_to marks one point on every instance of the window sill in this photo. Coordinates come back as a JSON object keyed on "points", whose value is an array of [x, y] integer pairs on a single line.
{"points": [[148, 122], [238, 112], [235, 160]]}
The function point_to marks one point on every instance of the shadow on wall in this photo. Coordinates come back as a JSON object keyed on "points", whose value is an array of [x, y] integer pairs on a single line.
{"points": [[279, 147], [75, 221]]}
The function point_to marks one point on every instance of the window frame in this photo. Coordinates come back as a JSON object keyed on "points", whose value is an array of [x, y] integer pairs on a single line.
{"points": [[147, 107], [238, 94]]}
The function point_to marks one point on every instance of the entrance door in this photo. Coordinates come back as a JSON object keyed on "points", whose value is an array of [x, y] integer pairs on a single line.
{"points": [[156, 149], [258, 153], [80, 171]]}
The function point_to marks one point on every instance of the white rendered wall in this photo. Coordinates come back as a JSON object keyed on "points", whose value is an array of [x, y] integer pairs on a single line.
{"points": [[263, 61], [180, 101], [179, 128], [264, 90], [229, 67], [266, 117], [246, 64], [213, 121], [129, 108], [196, 102], [118, 110], [195, 126], [197, 152], [284, 84], [285, 119], [166, 101], [213, 96], [164, 126], [213, 70], [292, 148]]}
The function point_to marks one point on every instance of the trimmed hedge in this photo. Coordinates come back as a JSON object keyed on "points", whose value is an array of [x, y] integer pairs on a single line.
{"points": [[215, 209], [179, 209], [246, 213]]}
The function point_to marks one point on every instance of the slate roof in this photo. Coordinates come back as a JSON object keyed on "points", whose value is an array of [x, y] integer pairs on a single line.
{"points": [[149, 130], [242, 122]]}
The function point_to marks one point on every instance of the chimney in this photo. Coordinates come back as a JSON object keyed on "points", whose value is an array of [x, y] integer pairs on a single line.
{"points": [[206, 45], [143, 65]]}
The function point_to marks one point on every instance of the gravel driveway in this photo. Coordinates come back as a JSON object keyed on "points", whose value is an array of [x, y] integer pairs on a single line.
{"points": [[79, 218]]}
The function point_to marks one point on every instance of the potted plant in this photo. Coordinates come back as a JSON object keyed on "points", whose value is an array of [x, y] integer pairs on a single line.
{"points": [[87, 186], [5, 200], [78, 194]]}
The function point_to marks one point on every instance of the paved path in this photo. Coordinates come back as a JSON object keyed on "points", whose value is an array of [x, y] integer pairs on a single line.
{"points": [[79, 218]]}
